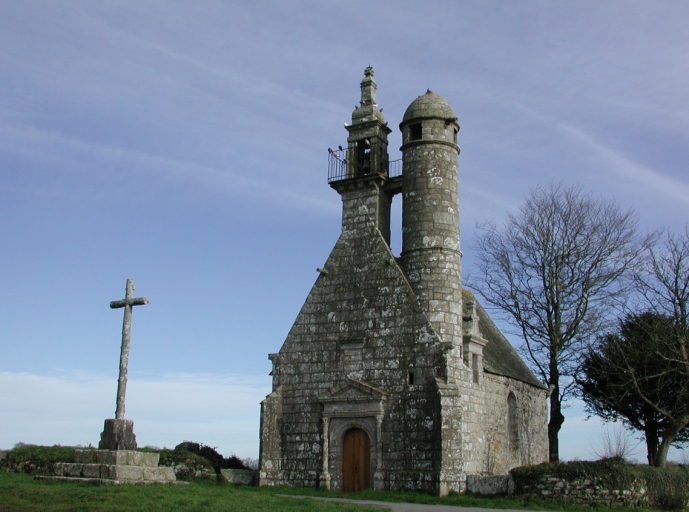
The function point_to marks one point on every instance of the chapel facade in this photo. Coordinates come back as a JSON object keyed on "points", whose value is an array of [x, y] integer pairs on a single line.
{"points": [[393, 376]]}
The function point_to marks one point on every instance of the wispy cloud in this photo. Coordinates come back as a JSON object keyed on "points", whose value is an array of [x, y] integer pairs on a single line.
{"points": [[54, 147], [69, 408], [616, 161], [626, 167], [252, 85]]}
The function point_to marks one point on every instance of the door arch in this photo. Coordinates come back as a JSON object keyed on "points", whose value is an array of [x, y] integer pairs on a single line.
{"points": [[356, 461]]}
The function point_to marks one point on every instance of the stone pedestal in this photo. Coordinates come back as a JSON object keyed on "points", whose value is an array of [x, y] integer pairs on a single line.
{"points": [[115, 467], [118, 435]]}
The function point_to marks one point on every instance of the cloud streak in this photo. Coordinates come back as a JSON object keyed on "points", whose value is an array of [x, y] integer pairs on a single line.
{"points": [[624, 166], [615, 161], [50, 147]]}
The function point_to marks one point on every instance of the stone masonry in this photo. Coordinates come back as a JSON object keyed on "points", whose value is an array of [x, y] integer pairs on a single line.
{"points": [[394, 347], [115, 467]]}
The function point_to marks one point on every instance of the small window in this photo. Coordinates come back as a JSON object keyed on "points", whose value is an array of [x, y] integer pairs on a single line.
{"points": [[455, 135], [512, 423], [411, 378], [415, 131], [474, 367]]}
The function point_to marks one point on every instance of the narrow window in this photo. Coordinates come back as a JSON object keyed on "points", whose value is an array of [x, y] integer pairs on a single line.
{"points": [[455, 137], [474, 367], [411, 378], [512, 424], [415, 131]]}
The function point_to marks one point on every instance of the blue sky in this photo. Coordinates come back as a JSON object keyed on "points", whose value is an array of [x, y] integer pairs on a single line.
{"points": [[184, 145]]}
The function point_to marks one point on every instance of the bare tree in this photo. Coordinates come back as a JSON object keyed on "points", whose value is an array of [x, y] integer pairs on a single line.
{"points": [[555, 269], [614, 444]]}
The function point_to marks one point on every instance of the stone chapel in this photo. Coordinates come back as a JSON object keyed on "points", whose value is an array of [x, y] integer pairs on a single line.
{"points": [[393, 376]]}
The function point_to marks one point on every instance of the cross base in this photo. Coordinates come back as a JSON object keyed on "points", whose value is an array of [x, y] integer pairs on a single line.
{"points": [[118, 435]]}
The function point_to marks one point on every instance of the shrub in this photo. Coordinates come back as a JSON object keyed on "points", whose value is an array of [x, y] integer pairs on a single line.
{"points": [[613, 473], [667, 488], [187, 465], [211, 454], [32, 459]]}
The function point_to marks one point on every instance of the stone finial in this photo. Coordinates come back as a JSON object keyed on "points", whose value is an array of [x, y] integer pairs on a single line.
{"points": [[471, 320], [368, 88]]}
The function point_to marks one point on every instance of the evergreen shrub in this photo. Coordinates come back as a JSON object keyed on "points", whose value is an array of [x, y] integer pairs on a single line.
{"points": [[211, 454]]}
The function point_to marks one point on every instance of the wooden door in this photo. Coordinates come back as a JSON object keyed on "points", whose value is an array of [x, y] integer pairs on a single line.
{"points": [[356, 461]]}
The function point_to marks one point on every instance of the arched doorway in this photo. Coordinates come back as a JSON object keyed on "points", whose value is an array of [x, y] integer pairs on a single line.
{"points": [[356, 461]]}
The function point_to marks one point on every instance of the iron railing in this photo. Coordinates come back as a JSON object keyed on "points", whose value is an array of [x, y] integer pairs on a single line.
{"points": [[395, 168], [337, 166]]}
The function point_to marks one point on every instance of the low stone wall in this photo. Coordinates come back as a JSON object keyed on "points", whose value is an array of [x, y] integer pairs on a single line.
{"points": [[240, 476], [490, 485], [586, 492]]}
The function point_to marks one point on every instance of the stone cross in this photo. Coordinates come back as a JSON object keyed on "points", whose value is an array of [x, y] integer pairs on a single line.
{"points": [[127, 304]]}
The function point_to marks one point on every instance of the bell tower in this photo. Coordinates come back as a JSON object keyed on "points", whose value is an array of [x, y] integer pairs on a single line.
{"points": [[360, 173], [367, 149]]}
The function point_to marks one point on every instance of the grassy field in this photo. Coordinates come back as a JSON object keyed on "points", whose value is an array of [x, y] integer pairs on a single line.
{"points": [[20, 492]]}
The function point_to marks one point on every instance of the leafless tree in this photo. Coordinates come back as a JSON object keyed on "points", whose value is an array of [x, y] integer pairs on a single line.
{"points": [[615, 443], [555, 269]]}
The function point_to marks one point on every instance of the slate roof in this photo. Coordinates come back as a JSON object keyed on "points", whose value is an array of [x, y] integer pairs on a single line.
{"points": [[499, 356]]}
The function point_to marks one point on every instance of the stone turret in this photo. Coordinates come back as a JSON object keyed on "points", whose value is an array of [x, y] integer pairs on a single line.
{"points": [[430, 212]]}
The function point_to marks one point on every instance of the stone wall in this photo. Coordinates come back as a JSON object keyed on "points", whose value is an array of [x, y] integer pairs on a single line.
{"points": [[586, 491], [240, 476], [361, 322], [500, 454], [270, 450], [495, 485]]}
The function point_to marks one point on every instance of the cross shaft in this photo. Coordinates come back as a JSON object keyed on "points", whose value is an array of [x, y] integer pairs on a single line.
{"points": [[127, 303]]}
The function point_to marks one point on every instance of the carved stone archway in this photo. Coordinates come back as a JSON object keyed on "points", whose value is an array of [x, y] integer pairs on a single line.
{"points": [[354, 405]]}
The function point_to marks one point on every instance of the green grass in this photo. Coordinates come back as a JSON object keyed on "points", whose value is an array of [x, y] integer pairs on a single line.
{"points": [[459, 500], [20, 492]]}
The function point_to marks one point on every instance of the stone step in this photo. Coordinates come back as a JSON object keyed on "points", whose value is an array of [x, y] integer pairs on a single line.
{"points": [[121, 472], [117, 457], [104, 481]]}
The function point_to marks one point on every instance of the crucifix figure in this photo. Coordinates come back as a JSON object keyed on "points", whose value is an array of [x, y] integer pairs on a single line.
{"points": [[118, 433], [127, 303]]}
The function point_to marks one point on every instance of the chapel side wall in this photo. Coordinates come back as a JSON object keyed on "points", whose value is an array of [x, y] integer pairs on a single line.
{"points": [[492, 453]]}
